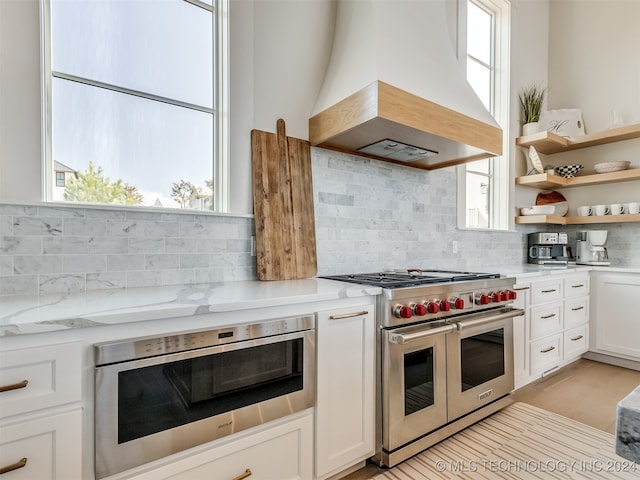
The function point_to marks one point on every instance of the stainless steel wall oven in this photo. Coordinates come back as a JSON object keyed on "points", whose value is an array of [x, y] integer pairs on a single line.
{"points": [[155, 396]]}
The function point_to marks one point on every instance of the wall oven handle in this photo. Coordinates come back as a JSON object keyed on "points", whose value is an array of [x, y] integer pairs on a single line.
{"points": [[402, 338], [516, 312], [348, 315], [246, 474]]}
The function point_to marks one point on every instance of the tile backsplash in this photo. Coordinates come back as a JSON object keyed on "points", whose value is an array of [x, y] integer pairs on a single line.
{"points": [[370, 216]]}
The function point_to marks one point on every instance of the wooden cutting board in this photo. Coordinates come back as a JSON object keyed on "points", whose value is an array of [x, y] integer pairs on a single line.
{"points": [[549, 197], [283, 206]]}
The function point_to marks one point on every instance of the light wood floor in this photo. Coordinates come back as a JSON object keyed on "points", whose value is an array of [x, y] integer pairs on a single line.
{"points": [[585, 391]]}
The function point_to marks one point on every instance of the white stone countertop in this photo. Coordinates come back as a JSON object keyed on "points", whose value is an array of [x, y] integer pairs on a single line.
{"points": [[530, 270], [628, 427], [23, 314]]}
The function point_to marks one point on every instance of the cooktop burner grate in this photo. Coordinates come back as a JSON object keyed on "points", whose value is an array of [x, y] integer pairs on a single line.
{"points": [[415, 278]]}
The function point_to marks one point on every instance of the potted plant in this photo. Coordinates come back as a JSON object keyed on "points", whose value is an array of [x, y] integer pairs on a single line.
{"points": [[531, 99]]}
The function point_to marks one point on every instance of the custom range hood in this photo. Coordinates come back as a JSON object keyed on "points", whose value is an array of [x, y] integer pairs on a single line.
{"points": [[394, 89]]}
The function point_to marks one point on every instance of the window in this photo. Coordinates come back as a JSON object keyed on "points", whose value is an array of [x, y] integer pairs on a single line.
{"points": [[60, 179], [136, 101], [483, 186]]}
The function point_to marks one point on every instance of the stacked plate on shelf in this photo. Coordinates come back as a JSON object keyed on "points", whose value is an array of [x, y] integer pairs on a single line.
{"points": [[607, 167]]}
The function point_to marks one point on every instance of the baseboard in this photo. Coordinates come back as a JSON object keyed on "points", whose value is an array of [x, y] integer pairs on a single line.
{"points": [[611, 360]]}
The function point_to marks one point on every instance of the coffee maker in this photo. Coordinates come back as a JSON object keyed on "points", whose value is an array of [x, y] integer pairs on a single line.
{"points": [[591, 249], [548, 248]]}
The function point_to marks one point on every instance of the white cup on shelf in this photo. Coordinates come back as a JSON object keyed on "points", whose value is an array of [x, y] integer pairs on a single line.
{"points": [[633, 207], [584, 211], [617, 208], [601, 210]]}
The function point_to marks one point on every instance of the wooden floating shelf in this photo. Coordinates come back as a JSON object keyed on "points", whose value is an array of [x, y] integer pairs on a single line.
{"points": [[549, 143], [624, 218], [547, 181]]}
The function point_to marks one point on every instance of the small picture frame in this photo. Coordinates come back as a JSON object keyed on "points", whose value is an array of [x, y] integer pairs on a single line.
{"points": [[565, 122]]}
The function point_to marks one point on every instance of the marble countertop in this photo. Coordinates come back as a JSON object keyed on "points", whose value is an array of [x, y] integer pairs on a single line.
{"points": [[23, 314], [628, 427]]}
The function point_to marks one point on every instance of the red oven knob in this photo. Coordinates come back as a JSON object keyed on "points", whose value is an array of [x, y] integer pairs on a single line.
{"points": [[444, 305], [497, 297], [482, 299], [457, 303], [511, 295], [402, 311], [432, 307], [419, 309]]}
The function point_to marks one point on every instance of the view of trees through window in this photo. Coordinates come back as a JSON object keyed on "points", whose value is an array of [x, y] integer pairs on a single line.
{"points": [[132, 112]]}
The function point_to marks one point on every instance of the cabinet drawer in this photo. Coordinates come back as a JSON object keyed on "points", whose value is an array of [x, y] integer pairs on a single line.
{"points": [[39, 377], [576, 312], [576, 286], [576, 341], [282, 452], [51, 445], [545, 353], [548, 291], [545, 320], [522, 295]]}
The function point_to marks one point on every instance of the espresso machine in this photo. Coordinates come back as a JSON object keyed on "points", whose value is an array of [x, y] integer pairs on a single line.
{"points": [[548, 248], [591, 249]]}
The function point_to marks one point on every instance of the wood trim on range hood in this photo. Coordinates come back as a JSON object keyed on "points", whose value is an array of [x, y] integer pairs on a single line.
{"points": [[380, 111]]}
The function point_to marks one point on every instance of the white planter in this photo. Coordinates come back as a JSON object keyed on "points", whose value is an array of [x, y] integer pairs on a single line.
{"points": [[530, 128]]}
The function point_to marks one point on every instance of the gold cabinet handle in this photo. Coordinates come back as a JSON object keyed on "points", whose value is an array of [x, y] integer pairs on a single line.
{"points": [[14, 386], [347, 315], [247, 473], [577, 308], [10, 468], [575, 339], [580, 285], [549, 291], [547, 350], [521, 288], [548, 316]]}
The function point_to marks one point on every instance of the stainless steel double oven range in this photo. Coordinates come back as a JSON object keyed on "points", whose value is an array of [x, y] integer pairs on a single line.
{"points": [[444, 355]]}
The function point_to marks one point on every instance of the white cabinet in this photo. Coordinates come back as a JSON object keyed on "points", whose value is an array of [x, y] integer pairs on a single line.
{"points": [[555, 327], [281, 452], [41, 425], [616, 320], [345, 389]]}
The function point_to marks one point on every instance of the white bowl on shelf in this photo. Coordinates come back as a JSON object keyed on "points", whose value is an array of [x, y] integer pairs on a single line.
{"points": [[538, 210], [606, 167], [560, 209]]}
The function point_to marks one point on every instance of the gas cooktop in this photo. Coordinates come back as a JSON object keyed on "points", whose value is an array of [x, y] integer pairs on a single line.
{"points": [[410, 278]]}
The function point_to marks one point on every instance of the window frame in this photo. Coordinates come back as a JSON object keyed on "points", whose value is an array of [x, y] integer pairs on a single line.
{"points": [[499, 187], [219, 110]]}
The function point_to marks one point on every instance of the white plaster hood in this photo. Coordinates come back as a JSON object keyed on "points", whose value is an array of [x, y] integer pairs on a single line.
{"points": [[393, 74]]}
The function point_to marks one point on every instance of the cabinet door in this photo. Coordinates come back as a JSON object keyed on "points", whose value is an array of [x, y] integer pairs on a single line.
{"points": [[282, 452], [346, 388], [617, 303], [520, 336], [51, 445]]}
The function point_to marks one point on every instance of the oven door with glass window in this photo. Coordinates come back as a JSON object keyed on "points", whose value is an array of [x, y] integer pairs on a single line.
{"points": [[414, 390], [480, 361]]}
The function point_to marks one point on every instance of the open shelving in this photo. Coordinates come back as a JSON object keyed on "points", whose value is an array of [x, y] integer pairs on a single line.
{"points": [[623, 218]]}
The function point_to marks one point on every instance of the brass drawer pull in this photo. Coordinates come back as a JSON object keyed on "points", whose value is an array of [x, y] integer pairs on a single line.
{"points": [[580, 285], [14, 386], [549, 291], [547, 350], [521, 288], [10, 468], [548, 316], [247, 473], [575, 339], [346, 315], [577, 308]]}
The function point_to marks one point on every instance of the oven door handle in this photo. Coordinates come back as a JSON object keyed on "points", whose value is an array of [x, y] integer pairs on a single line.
{"points": [[476, 322], [403, 338]]}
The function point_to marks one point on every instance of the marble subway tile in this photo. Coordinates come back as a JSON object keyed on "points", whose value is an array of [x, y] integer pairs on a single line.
{"points": [[64, 212], [162, 261], [106, 280], [150, 216], [62, 283], [6, 265], [18, 284], [145, 278], [125, 262], [146, 245], [161, 229], [108, 245], [178, 277], [17, 245], [8, 209], [84, 263], [181, 245], [194, 260], [6, 225], [36, 264], [37, 226], [105, 213], [127, 228], [65, 245], [91, 227]]}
